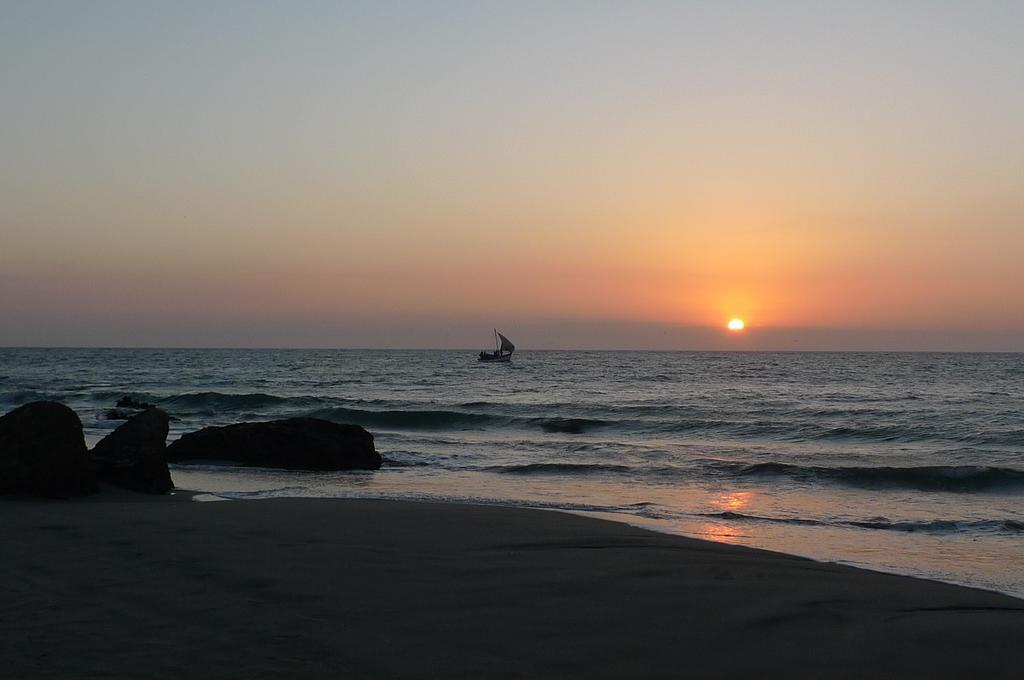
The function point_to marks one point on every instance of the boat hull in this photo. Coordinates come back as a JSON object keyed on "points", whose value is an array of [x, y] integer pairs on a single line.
{"points": [[496, 360]]}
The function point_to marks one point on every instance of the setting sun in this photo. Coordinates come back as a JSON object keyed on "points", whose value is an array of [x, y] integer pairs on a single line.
{"points": [[736, 324]]}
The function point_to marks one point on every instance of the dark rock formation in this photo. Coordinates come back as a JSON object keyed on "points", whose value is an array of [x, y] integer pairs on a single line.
{"points": [[131, 402], [119, 414], [295, 443], [42, 452], [134, 456]]}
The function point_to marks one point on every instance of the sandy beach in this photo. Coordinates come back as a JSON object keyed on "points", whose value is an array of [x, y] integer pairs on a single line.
{"points": [[130, 586]]}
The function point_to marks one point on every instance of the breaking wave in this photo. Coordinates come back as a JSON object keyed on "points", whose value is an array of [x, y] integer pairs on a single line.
{"points": [[923, 478], [218, 401], [938, 526], [445, 419], [439, 419], [560, 468], [570, 425]]}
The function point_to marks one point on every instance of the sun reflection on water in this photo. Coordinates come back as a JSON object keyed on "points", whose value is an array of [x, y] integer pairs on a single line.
{"points": [[733, 502], [721, 533]]}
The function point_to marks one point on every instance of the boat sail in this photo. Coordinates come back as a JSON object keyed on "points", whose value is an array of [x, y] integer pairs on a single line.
{"points": [[502, 352]]}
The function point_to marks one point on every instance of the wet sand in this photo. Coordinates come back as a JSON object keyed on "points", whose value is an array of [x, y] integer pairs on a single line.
{"points": [[129, 586]]}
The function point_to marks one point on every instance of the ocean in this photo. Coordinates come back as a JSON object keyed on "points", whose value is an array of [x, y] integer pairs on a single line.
{"points": [[901, 462]]}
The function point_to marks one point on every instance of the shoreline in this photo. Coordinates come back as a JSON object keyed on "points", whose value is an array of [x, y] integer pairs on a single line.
{"points": [[626, 519], [142, 586], [653, 526], [667, 526]]}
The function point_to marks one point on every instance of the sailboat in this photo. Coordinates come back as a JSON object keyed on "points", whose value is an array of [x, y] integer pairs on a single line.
{"points": [[503, 349]]}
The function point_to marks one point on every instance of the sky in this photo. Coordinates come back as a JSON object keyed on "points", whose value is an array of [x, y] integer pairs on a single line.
{"points": [[580, 175]]}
